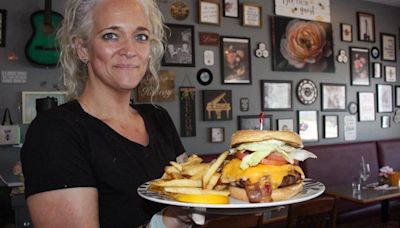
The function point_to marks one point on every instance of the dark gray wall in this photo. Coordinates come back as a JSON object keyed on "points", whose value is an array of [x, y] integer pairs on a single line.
{"points": [[387, 19]]}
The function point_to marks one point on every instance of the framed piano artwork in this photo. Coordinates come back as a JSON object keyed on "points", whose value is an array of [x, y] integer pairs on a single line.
{"points": [[217, 105]]}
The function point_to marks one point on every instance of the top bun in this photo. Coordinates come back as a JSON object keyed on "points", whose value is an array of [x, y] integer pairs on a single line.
{"points": [[246, 136]]}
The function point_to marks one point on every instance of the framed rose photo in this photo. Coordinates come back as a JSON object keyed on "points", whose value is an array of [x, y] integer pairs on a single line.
{"points": [[285, 125], [390, 74], [253, 122], [236, 60], [388, 47], [276, 95], [366, 27], [251, 15], [179, 50], [217, 134], [209, 12], [331, 126], [3, 16], [397, 91], [231, 8], [308, 125], [346, 32], [384, 97], [333, 97], [366, 109], [359, 66]]}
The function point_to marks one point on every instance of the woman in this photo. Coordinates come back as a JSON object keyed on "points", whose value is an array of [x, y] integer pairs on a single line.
{"points": [[84, 160]]}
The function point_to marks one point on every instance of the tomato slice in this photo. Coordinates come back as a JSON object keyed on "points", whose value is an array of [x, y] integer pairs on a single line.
{"points": [[271, 159], [241, 155]]}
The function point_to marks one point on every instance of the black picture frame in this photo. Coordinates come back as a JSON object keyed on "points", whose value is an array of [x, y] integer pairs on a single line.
{"points": [[276, 95], [204, 76], [390, 73], [397, 94], [366, 106], [179, 49], [385, 121], [376, 70], [253, 122], [384, 98], [231, 8], [333, 97], [3, 25], [217, 134], [217, 105], [346, 31], [331, 126], [359, 66], [244, 104], [235, 60], [388, 47], [366, 27], [307, 125]]}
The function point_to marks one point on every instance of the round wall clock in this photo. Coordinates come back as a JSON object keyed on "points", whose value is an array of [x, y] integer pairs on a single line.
{"points": [[307, 92], [204, 76], [353, 109], [375, 52]]}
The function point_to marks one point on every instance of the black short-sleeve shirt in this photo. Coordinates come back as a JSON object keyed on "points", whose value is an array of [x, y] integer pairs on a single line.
{"points": [[66, 147]]}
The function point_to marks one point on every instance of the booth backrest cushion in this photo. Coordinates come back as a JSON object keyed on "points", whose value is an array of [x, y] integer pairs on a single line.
{"points": [[389, 153]]}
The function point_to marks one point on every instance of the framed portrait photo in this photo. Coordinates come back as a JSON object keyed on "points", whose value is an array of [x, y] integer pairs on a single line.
{"points": [[397, 91], [253, 122], [331, 126], [388, 47], [384, 97], [209, 12], [251, 15], [285, 125], [231, 8], [366, 106], [29, 102], [359, 66], [390, 74], [179, 49], [346, 31], [217, 134], [376, 70], [333, 97], [236, 60], [308, 125], [276, 95], [3, 17], [366, 27]]}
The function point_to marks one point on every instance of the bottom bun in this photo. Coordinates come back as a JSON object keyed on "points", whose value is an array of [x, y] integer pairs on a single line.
{"points": [[278, 194]]}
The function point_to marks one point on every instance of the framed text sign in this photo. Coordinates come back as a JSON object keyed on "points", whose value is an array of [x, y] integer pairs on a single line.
{"points": [[316, 10], [166, 91]]}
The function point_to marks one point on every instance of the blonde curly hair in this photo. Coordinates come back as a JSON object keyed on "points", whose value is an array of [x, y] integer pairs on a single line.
{"points": [[78, 22]]}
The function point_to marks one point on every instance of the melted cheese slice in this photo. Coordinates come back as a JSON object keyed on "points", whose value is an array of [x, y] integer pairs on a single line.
{"points": [[232, 172]]}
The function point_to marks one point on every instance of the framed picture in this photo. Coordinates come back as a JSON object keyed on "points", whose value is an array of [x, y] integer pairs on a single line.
{"points": [[308, 125], [377, 70], [346, 31], [397, 91], [276, 95], [253, 122], [179, 49], [251, 15], [244, 104], [384, 98], [359, 66], [375, 52], [388, 47], [217, 134], [231, 8], [390, 74], [333, 97], [385, 122], [366, 109], [331, 126], [217, 105], [285, 125], [209, 12], [236, 60], [3, 20], [29, 102], [366, 27], [288, 51]]}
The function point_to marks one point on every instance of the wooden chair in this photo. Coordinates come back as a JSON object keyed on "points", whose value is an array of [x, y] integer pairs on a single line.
{"points": [[318, 212]]}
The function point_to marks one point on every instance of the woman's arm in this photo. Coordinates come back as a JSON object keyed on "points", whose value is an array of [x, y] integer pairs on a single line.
{"points": [[70, 207]]}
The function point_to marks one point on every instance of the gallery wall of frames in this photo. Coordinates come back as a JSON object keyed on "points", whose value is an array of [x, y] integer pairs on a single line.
{"points": [[245, 64]]}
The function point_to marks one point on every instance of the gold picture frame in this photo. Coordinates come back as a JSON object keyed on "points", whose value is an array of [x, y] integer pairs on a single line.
{"points": [[209, 12]]}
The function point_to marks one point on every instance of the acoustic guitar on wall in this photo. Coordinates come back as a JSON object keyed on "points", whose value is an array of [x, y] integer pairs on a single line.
{"points": [[42, 47]]}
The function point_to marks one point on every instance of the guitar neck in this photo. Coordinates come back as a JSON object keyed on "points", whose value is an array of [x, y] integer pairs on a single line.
{"points": [[47, 12]]}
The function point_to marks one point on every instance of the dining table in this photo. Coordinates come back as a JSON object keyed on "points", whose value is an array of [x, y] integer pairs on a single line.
{"points": [[367, 195]]}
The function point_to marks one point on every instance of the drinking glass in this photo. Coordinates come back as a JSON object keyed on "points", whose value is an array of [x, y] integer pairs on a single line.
{"points": [[364, 171]]}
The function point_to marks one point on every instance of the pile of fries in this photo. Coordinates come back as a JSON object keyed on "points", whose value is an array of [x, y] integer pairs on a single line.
{"points": [[192, 177]]}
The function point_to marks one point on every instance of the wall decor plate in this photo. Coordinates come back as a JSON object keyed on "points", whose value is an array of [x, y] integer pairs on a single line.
{"points": [[374, 52], [204, 76], [353, 107], [179, 10], [307, 92]]}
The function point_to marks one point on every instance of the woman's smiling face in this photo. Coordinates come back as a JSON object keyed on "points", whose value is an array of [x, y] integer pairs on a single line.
{"points": [[119, 44]]}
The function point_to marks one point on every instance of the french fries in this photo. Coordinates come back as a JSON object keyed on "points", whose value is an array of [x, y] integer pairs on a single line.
{"points": [[193, 177]]}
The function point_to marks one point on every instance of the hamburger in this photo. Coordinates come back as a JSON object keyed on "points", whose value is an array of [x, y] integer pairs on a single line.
{"points": [[265, 165]]}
